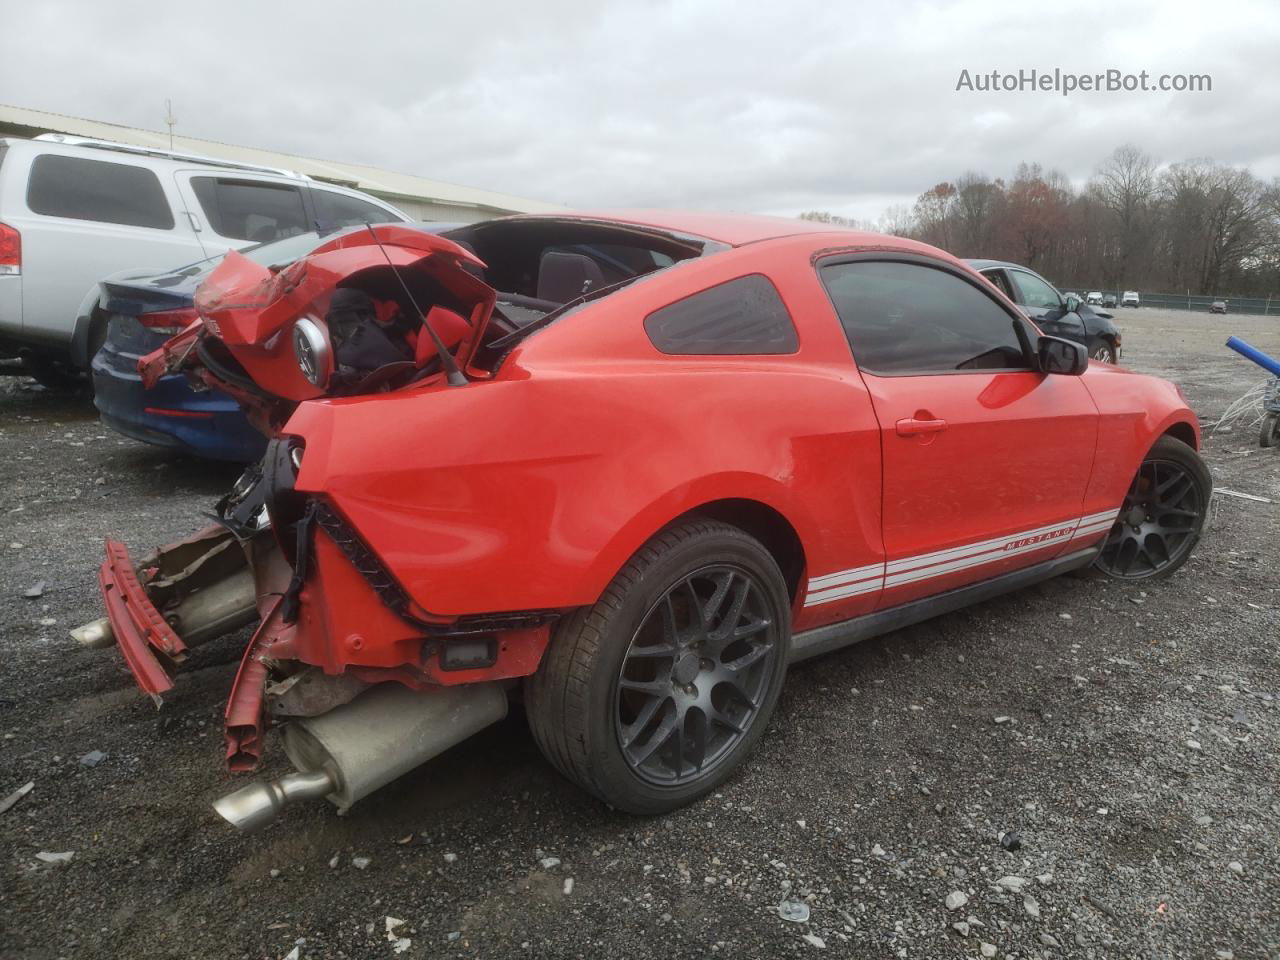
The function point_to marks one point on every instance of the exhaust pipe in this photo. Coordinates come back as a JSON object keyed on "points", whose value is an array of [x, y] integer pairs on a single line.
{"points": [[352, 750]]}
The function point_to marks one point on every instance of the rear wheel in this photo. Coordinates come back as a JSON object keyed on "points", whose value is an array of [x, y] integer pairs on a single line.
{"points": [[1269, 433], [654, 695], [1162, 516], [53, 374]]}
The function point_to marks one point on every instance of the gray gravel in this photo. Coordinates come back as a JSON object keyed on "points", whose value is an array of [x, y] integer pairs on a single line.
{"points": [[1137, 764]]}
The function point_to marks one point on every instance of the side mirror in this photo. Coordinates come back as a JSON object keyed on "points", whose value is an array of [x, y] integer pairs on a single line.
{"points": [[1062, 356], [1073, 303]]}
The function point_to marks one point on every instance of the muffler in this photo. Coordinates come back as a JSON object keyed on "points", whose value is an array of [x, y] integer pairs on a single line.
{"points": [[352, 750]]}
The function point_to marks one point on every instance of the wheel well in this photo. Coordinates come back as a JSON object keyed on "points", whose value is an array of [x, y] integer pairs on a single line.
{"points": [[1183, 432], [768, 526]]}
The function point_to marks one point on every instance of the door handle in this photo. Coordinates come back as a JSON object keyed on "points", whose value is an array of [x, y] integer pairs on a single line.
{"points": [[911, 427]]}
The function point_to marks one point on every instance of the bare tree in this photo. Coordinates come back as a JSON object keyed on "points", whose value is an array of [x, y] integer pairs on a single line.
{"points": [[1125, 184]]}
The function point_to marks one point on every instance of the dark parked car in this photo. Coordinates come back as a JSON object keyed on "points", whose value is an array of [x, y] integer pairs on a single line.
{"points": [[1057, 315], [145, 310], [1218, 306], [1109, 300]]}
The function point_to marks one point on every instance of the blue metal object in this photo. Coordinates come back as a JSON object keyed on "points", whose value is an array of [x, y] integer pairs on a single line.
{"points": [[1268, 363]]}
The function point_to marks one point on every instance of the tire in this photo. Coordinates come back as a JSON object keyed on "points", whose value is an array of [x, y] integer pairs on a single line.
{"points": [[54, 375], [1104, 352], [594, 716], [1269, 433], [1162, 517]]}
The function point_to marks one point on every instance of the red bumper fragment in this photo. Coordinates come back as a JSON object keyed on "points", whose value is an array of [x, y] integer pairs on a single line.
{"points": [[148, 643]]}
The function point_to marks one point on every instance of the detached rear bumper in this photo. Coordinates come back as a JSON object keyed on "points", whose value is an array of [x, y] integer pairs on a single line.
{"points": [[148, 643]]}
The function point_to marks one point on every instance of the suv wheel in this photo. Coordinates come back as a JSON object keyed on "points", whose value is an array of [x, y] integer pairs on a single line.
{"points": [[654, 695], [1162, 516], [1105, 352]]}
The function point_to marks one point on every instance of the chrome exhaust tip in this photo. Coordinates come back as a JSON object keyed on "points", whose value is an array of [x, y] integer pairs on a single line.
{"points": [[95, 634], [256, 805]]}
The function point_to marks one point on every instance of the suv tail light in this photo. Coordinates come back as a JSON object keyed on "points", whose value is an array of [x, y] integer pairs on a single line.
{"points": [[168, 321], [10, 250]]}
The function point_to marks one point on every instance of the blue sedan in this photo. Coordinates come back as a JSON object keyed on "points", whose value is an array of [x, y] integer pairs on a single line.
{"points": [[145, 310]]}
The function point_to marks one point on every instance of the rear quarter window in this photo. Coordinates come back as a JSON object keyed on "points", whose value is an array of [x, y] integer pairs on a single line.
{"points": [[81, 189], [742, 317], [338, 210], [251, 209]]}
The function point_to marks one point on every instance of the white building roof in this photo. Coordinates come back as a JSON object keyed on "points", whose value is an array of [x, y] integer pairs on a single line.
{"points": [[383, 183]]}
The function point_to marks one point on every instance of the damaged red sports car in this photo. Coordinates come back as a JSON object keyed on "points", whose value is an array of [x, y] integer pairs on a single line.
{"points": [[628, 468]]}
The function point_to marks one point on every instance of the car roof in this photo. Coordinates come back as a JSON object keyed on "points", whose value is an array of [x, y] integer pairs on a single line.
{"points": [[734, 229]]}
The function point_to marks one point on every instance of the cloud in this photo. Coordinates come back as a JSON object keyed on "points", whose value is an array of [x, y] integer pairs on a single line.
{"points": [[846, 107]]}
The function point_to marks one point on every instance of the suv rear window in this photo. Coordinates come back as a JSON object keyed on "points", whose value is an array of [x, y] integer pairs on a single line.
{"points": [[81, 189], [251, 209], [740, 317]]}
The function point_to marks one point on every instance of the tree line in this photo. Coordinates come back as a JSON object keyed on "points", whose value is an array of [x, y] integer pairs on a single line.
{"points": [[1196, 227]]}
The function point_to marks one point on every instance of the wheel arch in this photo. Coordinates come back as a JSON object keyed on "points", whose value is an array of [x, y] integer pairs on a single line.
{"points": [[1184, 431], [766, 524]]}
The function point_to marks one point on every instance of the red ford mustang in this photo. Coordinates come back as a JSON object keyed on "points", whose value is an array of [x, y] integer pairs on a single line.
{"points": [[631, 466]]}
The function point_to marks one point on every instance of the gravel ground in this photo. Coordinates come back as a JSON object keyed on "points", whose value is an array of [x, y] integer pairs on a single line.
{"points": [[1137, 764]]}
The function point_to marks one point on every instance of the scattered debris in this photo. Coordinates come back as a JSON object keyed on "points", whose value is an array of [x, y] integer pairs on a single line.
{"points": [[988, 949], [1236, 867], [35, 590], [333, 863], [1193, 745], [1049, 940], [450, 858], [1032, 906], [293, 954], [92, 758], [1223, 491], [568, 886], [794, 910], [398, 943], [877, 850], [46, 857], [961, 927], [816, 941], [549, 863], [360, 863], [1012, 884], [1003, 719], [1011, 840], [17, 795], [956, 899], [405, 840]]}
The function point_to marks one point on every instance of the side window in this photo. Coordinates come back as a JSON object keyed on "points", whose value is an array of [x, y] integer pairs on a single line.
{"points": [[80, 189], [1000, 281], [251, 209], [1035, 292], [909, 318], [743, 316], [339, 210]]}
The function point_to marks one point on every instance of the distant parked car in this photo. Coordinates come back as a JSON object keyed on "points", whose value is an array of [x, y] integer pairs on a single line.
{"points": [[143, 311], [1109, 300], [1218, 306], [73, 210], [1094, 298], [1130, 299], [1058, 315]]}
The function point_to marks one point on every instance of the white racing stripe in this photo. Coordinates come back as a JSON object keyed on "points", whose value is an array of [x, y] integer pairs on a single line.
{"points": [[872, 577]]}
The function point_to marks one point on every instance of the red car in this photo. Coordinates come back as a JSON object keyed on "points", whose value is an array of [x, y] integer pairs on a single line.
{"points": [[629, 467]]}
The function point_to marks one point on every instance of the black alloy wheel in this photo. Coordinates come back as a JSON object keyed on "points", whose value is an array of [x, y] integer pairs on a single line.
{"points": [[1162, 516], [695, 675]]}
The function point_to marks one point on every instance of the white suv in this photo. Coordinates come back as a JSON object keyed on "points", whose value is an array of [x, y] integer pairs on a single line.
{"points": [[1130, 299], [74, 210]]}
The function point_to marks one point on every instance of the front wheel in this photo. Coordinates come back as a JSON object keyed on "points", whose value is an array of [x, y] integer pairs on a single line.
{"points": [[654, 695], [1162, 516], [1104, 352]]}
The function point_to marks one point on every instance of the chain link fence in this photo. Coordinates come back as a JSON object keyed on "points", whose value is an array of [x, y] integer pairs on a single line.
{"points": [[1261, 306]]}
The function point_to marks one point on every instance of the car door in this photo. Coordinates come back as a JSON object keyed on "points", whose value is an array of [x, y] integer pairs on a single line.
{"points": [[985, 462], [1043, 304]]}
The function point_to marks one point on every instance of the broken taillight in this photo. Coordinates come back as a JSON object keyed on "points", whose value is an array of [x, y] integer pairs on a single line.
{"points": [[168, 321], [10, 250]]}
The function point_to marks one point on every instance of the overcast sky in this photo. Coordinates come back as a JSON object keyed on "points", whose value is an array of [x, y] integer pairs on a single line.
{"points": [[772, 108]]}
